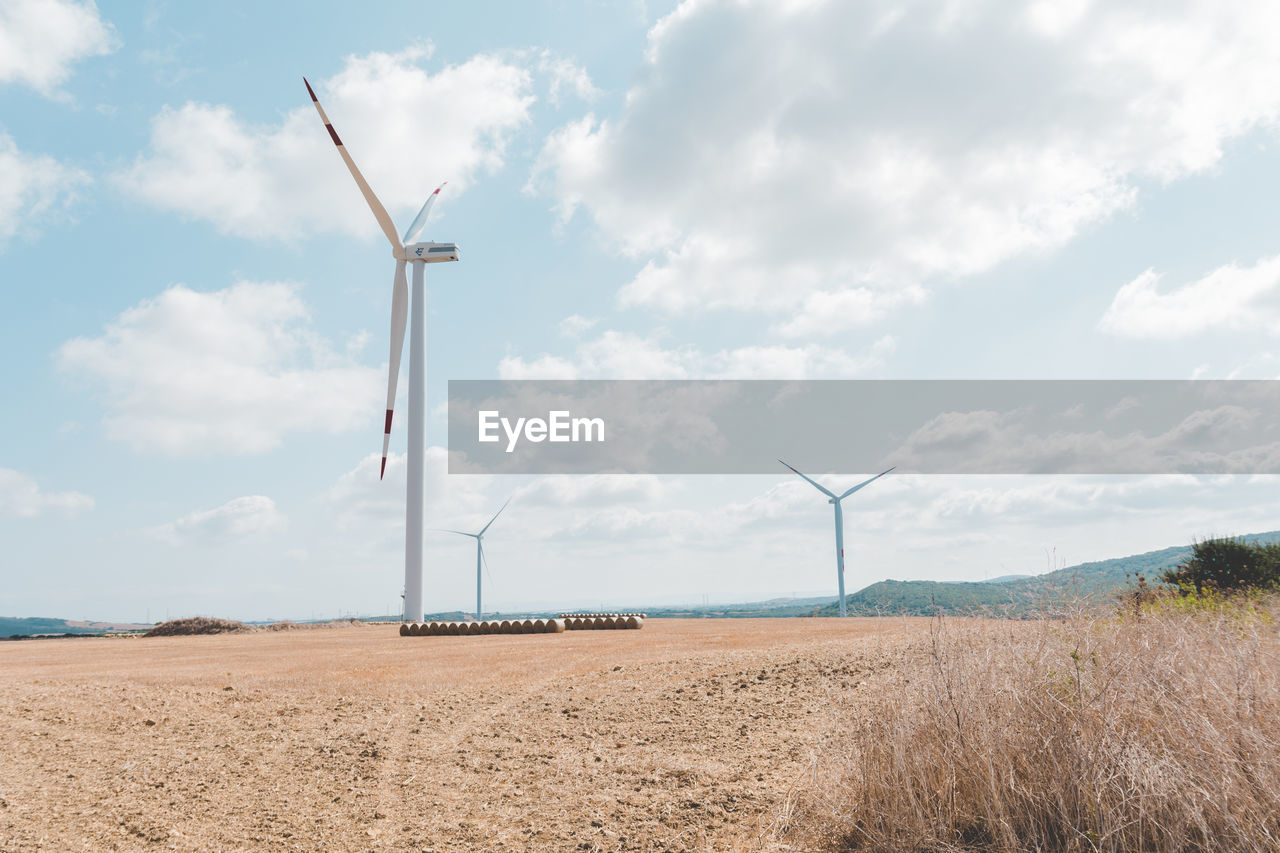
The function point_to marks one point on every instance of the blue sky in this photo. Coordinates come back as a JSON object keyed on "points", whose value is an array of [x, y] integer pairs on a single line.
{"points": [[196, 298]]}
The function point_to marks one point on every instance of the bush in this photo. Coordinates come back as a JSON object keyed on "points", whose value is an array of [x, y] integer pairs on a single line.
{"points": [[1227, 565]]}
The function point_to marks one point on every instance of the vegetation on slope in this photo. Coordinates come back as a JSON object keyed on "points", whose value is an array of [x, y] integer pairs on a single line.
{"points": [[1095, 581]]}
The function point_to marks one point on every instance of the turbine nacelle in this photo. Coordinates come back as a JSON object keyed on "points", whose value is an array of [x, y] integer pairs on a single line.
{"points": [[431, 253]]}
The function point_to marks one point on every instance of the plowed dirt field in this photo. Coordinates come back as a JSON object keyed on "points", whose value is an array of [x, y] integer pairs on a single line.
{"points": [[684, 735]]}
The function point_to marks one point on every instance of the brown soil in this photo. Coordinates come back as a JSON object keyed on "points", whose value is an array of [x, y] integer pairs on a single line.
{"points": [[686, 735]]}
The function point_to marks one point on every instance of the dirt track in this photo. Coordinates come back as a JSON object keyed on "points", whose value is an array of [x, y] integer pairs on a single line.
{"points": [[685, 735]]}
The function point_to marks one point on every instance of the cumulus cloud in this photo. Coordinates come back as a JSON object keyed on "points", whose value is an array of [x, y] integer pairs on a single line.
{"points": [[594, 490], [236, 519], [407, 127], [1219, 439], [565, 75], [34, 189], [21, 497], [40, 40], [231, 371], [1231, 298], [880, 148], [625, 355]]}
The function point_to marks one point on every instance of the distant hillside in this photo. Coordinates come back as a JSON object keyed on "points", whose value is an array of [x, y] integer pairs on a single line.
{"points": [[26, 626], [755, 609], [1018, 596]]}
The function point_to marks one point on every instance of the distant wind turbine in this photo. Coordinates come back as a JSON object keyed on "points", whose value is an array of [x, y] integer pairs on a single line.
{"points": [[835, 500], [420, 254], [479, 537]]}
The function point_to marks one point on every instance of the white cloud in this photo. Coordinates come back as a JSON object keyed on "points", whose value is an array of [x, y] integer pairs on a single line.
{"points": [[20, 497], [565, 75], [34, 189], [407, 128], [232, 371], [575, 325], [845, 156], [1231, 298], [41, 39], [236, 519], [594, 490], [624, 355]]}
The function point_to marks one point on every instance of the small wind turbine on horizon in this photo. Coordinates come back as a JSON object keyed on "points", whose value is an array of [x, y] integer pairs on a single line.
{"points": [[479, 537], [835, 501], [420, 254]]}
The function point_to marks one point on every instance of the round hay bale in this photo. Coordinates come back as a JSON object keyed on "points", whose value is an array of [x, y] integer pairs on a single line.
{"points": [[634, 622], [555, 626], [573, 623], [404, 629], [539, 626], [504, 627], [526, 627]]}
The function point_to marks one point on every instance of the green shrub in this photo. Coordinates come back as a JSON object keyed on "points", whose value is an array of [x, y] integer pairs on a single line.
{"points": [[1227, 565]]}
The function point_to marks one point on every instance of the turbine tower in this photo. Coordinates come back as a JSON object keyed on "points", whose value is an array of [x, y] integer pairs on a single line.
{"points": [[835, 500], [419, 254], [479, 537]]}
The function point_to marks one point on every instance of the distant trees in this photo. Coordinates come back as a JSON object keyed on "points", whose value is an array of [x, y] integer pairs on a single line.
{"points": [[1226, 565]]}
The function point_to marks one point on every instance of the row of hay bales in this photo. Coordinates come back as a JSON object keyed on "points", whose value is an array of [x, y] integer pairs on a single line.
{"points": [[602, 621], [505, 626]]}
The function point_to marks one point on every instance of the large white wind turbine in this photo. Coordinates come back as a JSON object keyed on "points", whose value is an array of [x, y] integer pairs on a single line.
{"points": [[835, 500], [419, 254], [479, 537]]}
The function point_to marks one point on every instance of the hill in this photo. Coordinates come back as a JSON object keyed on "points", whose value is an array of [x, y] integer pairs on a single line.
{"points": [[36, 626], [1020, 595]]}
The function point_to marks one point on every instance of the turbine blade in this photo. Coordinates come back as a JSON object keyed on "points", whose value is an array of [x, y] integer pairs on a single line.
{"points": [[399, 317], [379, 212], [419, 222], [813, 483], [459, 532], [485, 561], [864, 483], [495, 518]]}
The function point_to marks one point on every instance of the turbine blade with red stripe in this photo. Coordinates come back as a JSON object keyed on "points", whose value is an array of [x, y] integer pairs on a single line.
{"points": [[379, 212], [419, 222], [399, 317]]}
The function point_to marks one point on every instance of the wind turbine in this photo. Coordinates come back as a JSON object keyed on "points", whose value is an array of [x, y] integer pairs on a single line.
{"points": [[479, 537], [835, 500], [419, 254]]}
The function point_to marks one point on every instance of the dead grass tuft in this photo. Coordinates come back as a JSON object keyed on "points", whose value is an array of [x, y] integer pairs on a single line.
{"points": [[196, 625], [1155, 731]]}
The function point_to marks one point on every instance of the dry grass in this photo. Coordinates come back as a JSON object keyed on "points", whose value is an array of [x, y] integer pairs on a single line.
{"points": [[196, 625], [1155, 731], [193, 626]]}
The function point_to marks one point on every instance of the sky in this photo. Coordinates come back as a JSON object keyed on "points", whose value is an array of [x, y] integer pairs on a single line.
{"points": [[196, 299]]}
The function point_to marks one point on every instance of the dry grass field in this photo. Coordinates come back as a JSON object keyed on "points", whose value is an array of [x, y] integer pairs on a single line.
{"points": [[686, 735]]}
